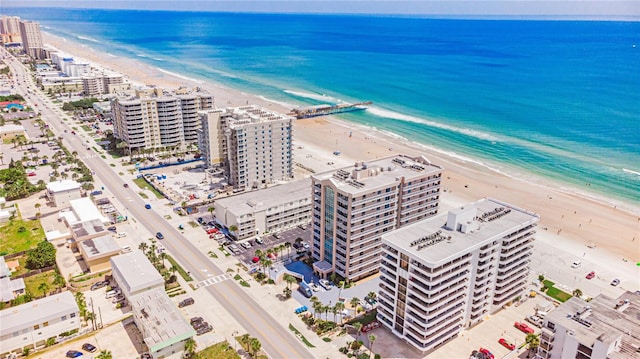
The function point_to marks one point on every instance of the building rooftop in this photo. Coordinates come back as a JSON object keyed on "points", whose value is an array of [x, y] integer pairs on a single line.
{"points": [[4, 268], [85, 210], [159, 320], [366, 176], [64, 185], [8, 286], [603, 319], [136, 270], [247, 115], [443, 237], [87, 228], [99, 247], [255, 201], [37, 311], [11, 128]]}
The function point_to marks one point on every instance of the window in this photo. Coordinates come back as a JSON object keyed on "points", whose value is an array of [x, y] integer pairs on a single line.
{"points": [[73, 315], [36, 327], [45, 324], [64, 317]]}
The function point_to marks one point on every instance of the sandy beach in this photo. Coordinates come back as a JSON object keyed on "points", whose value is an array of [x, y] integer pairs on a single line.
{"points": [[568, 220]]}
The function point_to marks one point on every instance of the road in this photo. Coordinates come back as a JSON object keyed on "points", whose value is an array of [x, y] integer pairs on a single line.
{"points": [[276, 340]]}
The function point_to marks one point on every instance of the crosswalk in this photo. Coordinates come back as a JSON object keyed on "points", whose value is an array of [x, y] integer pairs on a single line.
{"points": [[213, 280]]}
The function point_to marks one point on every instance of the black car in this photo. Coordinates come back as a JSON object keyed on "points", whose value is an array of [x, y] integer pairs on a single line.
{"points": [[89, 347], [98, 285], [196, 319], [113, 229], [73, 354], [200, 220], [159, 235], [186, 302], [204, 330]]}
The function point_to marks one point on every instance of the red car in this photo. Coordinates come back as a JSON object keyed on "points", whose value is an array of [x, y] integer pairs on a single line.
{"points": [[212, 230], [523, 327], [591, 275], [31, 174], [505, 343], [487, 353]]}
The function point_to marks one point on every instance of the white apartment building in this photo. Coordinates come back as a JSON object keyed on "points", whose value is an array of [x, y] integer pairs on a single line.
{"points": [[601, 328], [354, 206], [266, 211], [155, 119], [163, 327], [253, 144], [446, 273], [29, 325], [31, 38], [62, 192]]}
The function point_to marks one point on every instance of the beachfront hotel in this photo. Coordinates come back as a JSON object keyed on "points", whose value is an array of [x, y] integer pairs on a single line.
{"points": [[446, 273], [10, 30], [251, 143], [354, 206], [604, 327], [31, 39], [154, 118]]}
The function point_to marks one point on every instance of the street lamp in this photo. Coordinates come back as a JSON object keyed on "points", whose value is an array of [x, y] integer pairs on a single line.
{"points": [[235, 342]]}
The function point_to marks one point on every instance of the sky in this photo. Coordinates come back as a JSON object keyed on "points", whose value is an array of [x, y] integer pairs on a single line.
{"points": [[479, 8]]}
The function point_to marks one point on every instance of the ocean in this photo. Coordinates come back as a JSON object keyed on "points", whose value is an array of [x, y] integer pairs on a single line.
{"points": [[555, 100]]}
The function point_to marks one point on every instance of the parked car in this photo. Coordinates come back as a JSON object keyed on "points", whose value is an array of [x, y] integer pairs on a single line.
{"points": [[487, 353], [112, 229], [89, 347], [615, 282], [325, 284], [200, 220], [147, 206], [523, 327], [126, 185], [98, 285], [505, 343], [246, 245], [314, 287], [159, 235], [31, 174], [212, 230], [185, 302], [576, 264], [590, 275], [204, 330], [259, 240], [195, 319], [73, 354]]}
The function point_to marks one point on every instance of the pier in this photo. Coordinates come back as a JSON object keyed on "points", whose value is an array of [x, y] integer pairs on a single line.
{"points": [[323, 110]]}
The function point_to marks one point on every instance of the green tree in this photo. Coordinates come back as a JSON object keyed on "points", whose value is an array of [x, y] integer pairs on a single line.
{"points": [[339, 308], [577, 293], [104, 354], [190, 347], [43, 288], [255, 346], [371, 296], [43, 255], [211, 210], [533, 341], [355, 301], [358, 327], [289, 279]]}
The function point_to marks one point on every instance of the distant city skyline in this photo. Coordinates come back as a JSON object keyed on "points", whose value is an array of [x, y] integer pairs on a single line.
{"points": [[456, 8]]}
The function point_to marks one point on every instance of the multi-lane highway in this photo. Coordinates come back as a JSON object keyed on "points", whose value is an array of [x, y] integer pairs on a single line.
{"points": [[276, 340]]}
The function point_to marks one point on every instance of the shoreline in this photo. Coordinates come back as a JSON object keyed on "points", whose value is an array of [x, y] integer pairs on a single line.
{"points": [[563, 211]]}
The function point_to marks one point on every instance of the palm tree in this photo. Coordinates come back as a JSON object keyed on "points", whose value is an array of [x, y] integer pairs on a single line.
{"points": [[577, 293], [340, 307], [325, 309], [317, 308], [89, 316], [190, 347], [259, 253], [371, 296], [289, 279], [163, 256], [533, 341], [255, 345], [104, 354], [210, 210], [355, 301], [335, 312], [288, 246], [143, 247], [38, 205], [358, 327], [372, 339], [43, 288]]}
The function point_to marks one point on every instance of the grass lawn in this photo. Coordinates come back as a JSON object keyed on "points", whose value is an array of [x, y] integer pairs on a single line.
{"points": [[221, 350], [181, 270], [558, 294], [12, 240], [144, 185], [366, 319], [32, 283], [86, 128]]}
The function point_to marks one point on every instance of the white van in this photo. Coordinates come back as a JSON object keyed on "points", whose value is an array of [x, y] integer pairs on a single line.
{"points": [[576, 264], [111, 294], [121, 234], [125, 249]]}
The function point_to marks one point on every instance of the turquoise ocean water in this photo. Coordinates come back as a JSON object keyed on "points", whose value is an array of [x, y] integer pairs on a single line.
{"points": [[553, 99]]}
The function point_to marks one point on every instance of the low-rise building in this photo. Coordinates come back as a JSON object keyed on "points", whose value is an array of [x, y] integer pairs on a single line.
{"points": [[30, 325], [604, 327], [11, 288], [97, 252], [444, 274], [11, 131], [62, 192], [266, 211], [164, 329]]}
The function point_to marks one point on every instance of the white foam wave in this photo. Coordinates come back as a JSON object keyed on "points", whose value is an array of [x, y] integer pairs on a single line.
{"points": [[281, 103], [179, 76], [112, 55], [631, 171], [88, 39], [141, 55], [157, 59], [399, 116], [313, 96]]}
